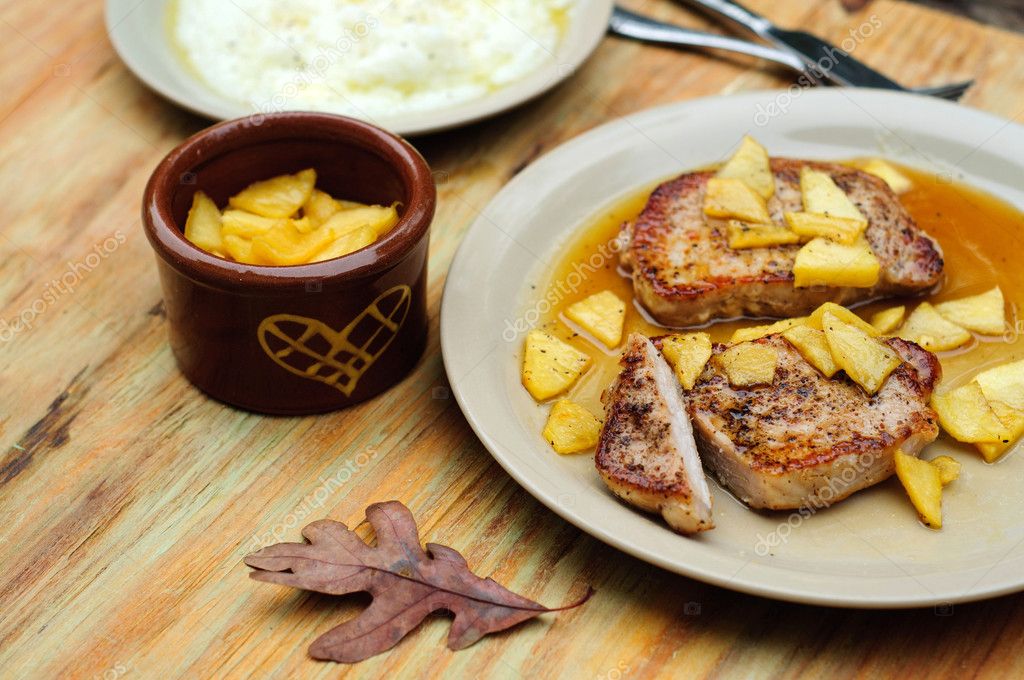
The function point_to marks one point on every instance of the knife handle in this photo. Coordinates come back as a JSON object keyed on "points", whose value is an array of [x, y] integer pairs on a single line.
{"points": [[736, 13]]}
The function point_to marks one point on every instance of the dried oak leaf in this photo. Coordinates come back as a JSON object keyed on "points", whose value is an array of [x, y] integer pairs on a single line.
{"points": [[406, 582]]}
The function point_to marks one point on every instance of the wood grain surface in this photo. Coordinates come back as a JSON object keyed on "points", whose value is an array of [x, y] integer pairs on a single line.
{"points": [[127, 499]]}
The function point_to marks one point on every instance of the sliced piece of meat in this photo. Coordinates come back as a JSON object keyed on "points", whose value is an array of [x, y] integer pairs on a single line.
{"points": [[647, 455], [684, 273], [806, 440]]}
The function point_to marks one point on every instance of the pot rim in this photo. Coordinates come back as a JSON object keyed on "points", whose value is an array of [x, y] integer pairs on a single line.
{"points": [[172, 247]]}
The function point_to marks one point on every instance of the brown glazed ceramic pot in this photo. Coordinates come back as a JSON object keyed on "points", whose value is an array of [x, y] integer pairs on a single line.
{"points": [[300, 339]]}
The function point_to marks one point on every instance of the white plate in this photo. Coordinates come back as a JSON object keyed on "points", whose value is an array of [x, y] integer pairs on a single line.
{"points": [[139, 33], [867, 551]]}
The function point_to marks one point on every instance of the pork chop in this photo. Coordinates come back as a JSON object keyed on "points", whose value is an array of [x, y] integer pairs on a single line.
{"points": [[806, 440], [684, 273], [646, 454]]}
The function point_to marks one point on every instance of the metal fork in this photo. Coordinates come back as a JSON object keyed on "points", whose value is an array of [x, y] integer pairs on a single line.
{"points": [[627, 24]]}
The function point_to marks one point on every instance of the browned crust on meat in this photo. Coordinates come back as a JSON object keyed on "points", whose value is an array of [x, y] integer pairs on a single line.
{"points": [[625, 415], [796, 390], [647, 243], [677, 288], [806, 440], [924, 365], [911, 260], [646, 453]]}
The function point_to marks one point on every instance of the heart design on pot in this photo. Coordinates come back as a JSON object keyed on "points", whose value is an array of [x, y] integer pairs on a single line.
{"points": [[311, 349]]}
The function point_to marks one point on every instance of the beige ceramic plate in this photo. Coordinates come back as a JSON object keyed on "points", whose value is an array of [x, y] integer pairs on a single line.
{"points": [[865, 552], [139, 33]]}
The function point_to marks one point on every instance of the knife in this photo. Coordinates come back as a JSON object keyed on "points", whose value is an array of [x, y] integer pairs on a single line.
{"points": [[823, 59]]}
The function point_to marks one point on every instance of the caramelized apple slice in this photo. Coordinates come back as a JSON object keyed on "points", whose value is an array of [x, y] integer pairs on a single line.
{"points": [[203, 226], [826, 263], [750, 165], [688, 354], [885, 170], [822, 196], [985, 313], [888, 320], [731, 198], [745, 235], [967, 416], [571, 428], [866, 361], [931, 330], [923, 482], [813, 346], [280, 196], [755, 332], [748, 363], [550, 366]]}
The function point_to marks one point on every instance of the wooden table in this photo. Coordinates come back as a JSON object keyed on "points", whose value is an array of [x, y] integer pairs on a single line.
{"points": [[127, 499]]}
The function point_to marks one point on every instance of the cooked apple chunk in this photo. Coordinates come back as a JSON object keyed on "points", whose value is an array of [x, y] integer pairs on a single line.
{"points": [[985, 313], [240, 249], [319, 207], [888, 320], [1014, 422], [949, 469], [203, 225], [822, 196], [687, 354], [813, 346], [731, 198], [264, 226], [841, 313], [550, 366], [896, 180], [249, 225], [745, 235], [750, 165], [866, 361], [826, 263], [280, 196], [748, 364], [932, 331], [602, 315], [923, 483], [571, 428], [346, 243], [813, 225], [289, 246], [379, 218], [1005, 384], [968, 417], [304, 225], [755, 332]]}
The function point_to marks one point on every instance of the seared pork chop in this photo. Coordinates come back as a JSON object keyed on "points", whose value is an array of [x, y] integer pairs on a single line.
{"points": [[684, 273], [647, 455], [806, 440]]}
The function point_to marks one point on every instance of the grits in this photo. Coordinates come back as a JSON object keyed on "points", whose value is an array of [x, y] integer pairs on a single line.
{"points": [[365, 58]]}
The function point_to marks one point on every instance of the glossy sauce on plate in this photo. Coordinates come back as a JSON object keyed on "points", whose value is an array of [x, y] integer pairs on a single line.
{"points": [[978, 233]]}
